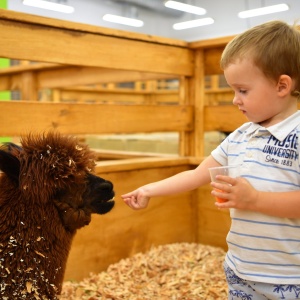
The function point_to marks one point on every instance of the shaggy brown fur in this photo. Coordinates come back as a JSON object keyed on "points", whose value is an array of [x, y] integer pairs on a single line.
{"points": [[47, 192]]}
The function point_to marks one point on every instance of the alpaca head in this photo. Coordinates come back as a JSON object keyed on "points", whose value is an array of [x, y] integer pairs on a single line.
{"points": [[56, 168], [47, 192]]}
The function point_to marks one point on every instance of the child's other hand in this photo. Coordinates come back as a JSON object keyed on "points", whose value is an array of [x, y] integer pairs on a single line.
{"points": [[238, 192], [136, 199]]}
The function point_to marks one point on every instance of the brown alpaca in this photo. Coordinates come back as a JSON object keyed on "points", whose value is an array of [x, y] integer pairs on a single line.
{"points": [[47, 192]]}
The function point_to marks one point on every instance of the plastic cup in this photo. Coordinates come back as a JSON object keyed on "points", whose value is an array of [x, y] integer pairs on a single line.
{"points": [[232, 171]]}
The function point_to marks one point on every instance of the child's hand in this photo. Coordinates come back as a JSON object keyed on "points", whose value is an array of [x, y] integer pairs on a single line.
{"points": [[136, 199], [237, 193]]}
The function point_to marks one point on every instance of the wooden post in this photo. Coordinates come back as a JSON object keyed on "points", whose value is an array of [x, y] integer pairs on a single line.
{"points": [[197, 91], [29, 90]]}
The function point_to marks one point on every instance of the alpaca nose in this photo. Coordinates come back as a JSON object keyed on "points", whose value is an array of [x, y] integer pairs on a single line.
{"points": [[107, 185], [108, 189]]}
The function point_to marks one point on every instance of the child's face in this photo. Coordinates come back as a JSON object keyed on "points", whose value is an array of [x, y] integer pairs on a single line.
{"points": [[255, 94]]}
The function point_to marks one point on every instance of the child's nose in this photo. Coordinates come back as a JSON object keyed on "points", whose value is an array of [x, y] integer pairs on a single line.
{"points": [[236, 100]]}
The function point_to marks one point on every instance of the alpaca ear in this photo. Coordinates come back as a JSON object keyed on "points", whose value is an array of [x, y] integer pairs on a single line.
{"points": [[10, 165]]}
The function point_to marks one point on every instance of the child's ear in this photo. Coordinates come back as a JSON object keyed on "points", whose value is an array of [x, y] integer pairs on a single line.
{"points": [[284, 85], [10, 165]]}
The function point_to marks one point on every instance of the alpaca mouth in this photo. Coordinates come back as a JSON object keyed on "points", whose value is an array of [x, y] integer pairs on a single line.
{"points": [[107, 206], [111, 200]]}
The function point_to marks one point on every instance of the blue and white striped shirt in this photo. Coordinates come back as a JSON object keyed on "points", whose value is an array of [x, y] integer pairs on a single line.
{"points": [[261, 247]]}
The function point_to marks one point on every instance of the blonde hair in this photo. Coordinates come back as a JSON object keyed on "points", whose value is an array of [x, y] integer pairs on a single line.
{"points": [[274, 47]]}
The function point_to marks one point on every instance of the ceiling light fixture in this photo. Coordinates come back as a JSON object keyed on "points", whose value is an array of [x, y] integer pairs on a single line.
{"points": [[123, 20], [263, 11], [50, 6], [193, 23], [185, 7]]}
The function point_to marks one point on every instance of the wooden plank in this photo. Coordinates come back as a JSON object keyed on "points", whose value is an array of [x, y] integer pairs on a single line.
{"points": [[107, 97], [219, 96], [212, 61], [211, 43], [213, 224], [29, 86], [6, 83], [80, 27], [21, 117], [119, 96], [16, 69], [224, 118], [69, 46], [57, 76], [140, 163], [198, 79], [72, 76], [105, 155]]}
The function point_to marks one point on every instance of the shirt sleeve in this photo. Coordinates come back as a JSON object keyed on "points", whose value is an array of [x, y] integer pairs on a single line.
{"points": [[220, 153]]}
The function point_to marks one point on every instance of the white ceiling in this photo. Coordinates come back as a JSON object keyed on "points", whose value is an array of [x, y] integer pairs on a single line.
{"points": [[156, 22]]}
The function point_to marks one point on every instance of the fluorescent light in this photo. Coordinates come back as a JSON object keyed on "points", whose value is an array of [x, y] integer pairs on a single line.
{"points": [[49, 5], [123, 20], [263, 11], [193, 23], [185, 7]]}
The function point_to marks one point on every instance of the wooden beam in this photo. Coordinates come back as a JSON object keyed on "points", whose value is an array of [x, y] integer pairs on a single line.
{"points": [[21, 117], [141, 163], [41, 40], [71, 76], [211, 43], [119, 96], [212, 61], [32, 67], [199, 94], [80, 27], [224, 118], [103, 155], [57, 76]]}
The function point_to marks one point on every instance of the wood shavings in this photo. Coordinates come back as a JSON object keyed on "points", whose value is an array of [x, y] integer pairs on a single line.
{"points": [[28, 286], [28, 270], [39, 253], [182, 271]]}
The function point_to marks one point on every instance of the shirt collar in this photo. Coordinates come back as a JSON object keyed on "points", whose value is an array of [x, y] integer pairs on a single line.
{"points": [[280, 130]]}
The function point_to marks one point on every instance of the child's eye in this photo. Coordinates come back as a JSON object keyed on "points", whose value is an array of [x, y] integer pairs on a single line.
{"points": [[242, 91]]}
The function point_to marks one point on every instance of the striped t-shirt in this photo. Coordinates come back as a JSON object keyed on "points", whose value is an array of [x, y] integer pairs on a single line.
{"points": [[261, 247]]}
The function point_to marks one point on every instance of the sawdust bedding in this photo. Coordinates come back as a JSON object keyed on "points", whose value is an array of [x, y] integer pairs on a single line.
{"points": [[180, 271]]}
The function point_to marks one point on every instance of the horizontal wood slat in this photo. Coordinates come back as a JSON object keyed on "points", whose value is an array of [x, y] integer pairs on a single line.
{"points": [[224, 118], [211, 43], [33, 41], [80, 27], [65, 76], [21, 117]]}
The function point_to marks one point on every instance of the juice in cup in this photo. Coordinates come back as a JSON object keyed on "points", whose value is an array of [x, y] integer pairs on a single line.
{"points": [[232, 171], [220, 199]]}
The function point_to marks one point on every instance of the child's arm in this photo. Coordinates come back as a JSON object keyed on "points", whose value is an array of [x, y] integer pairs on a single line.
{"points": [[181, 182], [241, 195]]}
